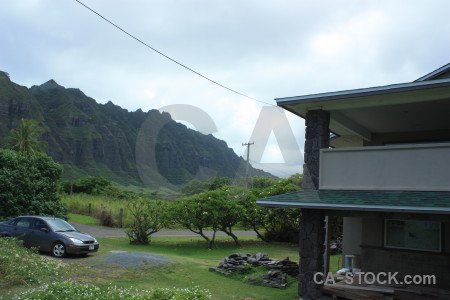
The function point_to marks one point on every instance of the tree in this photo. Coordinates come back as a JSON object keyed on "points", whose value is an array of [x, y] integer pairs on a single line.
{"points": [[25, 138], [28, 185], [149, 217], [272, 224], [254, 216], [196, 214], [229, 209]]}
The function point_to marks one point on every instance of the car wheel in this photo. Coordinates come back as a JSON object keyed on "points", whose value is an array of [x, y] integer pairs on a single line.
{"points": [[58, 249]]}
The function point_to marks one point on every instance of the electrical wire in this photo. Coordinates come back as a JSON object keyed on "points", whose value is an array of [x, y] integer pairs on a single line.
{"points": [[168, 57]]}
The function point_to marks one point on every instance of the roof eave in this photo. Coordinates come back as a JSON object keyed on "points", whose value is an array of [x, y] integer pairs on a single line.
{"points": [[435, 73], [373, 91], [376, 208]]}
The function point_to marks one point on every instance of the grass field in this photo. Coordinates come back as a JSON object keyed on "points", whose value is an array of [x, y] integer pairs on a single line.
{"points": [[190, 263], [190, 266], [88, 220], [91, 205]]}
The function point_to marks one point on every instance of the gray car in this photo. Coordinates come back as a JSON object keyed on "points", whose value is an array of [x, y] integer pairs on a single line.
{"points": [[49, 234]]}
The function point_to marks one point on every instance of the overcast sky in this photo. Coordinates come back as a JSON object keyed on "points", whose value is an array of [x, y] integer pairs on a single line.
{"points": [[264, 49]]}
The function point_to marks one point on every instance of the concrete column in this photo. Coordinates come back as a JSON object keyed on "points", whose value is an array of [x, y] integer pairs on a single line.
{"points": [[312, 230]]}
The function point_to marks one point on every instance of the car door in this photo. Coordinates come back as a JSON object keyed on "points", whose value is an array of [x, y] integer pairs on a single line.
{"points": [[40, 236], [21, 229]]}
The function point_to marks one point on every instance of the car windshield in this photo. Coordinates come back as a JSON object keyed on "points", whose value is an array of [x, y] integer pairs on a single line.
{"points": [[60, 225]]}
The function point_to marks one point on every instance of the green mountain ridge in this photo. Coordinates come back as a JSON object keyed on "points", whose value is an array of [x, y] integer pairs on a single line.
{"points": [[95, 139]]}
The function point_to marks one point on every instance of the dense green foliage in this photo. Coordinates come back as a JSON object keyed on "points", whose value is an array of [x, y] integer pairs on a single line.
{"points": [[28, 185], [87, 185], [223, 208], [23, 266], [197, 186], [70, 290], [92, 139]]}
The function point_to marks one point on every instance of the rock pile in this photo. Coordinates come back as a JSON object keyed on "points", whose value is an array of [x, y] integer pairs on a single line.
{"points": [[274, 279], [242, 263], [286, 266], [237, 262]]}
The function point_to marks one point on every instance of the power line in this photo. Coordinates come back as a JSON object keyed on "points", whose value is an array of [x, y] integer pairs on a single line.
{"points": [[168, 57]]}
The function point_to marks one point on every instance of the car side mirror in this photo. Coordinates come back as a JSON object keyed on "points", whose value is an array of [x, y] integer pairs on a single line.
{"points": [[44, 229]]}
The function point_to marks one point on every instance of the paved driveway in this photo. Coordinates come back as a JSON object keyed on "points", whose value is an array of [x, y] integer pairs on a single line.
{"points": [[99, 231]]}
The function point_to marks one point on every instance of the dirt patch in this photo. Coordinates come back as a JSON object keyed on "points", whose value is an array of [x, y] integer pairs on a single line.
{"points": [[130, 259]]}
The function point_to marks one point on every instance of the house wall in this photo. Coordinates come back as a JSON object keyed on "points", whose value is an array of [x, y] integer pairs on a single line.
{"points": [[422, 167], [378, 259], [375, 258], [372, 232], [351, 236]]}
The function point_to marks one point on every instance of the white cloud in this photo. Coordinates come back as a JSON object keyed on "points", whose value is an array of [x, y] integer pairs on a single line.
{"points": [[266, 49]]}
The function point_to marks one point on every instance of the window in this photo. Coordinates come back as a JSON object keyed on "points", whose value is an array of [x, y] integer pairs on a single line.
{"points": [[23, 222], [39, 224], [414, 235]]}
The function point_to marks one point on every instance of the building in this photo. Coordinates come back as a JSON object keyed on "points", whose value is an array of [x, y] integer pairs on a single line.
{"points": [[380, 158]]}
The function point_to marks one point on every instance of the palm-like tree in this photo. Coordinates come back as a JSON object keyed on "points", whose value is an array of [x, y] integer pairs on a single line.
{"points": [[25, 138]]}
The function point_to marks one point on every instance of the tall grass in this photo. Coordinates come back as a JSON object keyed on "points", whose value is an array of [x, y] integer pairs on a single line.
{"points": [[98, 204], [21, 266]]}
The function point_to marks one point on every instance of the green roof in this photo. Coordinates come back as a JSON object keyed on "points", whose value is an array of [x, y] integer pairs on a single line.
{"points": [[391, 201]]}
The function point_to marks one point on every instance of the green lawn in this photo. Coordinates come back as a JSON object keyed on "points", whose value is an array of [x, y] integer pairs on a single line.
{"points": [[190, 265], [88, 220]]}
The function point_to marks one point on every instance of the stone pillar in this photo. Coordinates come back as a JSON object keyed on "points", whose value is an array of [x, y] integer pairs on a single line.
{"points": [[312, 237], [317, 136], [312, 230]]}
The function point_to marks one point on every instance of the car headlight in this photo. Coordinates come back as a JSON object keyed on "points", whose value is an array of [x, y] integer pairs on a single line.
{"points": [[76, 241], [95, 240]]}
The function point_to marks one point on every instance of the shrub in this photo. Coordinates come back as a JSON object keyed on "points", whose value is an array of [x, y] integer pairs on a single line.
{"points": [[19, 265], [28, 185], [149, 216], [105, 217], [70, 290]]}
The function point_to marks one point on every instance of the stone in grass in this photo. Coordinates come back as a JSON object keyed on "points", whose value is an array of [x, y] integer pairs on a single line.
{"points": [[221, 271], [273, 279]]}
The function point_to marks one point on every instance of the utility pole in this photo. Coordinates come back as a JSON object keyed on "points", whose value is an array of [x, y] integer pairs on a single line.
{"points": [[248, 160]]}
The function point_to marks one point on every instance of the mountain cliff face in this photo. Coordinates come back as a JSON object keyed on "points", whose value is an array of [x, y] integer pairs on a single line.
{"points": [[100, 139]]}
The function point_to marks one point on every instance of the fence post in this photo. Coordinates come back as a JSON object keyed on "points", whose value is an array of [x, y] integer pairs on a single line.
{"points": [[89, 208], [120, 217]]}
